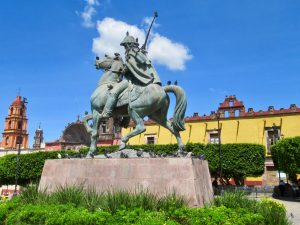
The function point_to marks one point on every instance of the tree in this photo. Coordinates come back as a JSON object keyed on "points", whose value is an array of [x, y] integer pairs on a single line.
{"points": [[243, 160], [238, 160], [286, 156]]}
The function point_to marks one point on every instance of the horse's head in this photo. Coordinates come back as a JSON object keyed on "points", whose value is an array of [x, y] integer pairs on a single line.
{"points": [[110, 63], [104, 63]]}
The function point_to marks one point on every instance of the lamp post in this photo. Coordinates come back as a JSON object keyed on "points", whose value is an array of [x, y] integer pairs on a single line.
{"points": [[19, 140], [275, 131], [219, 145]]}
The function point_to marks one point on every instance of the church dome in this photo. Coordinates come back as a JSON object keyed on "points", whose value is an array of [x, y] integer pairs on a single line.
{"points": [[76, 133]]}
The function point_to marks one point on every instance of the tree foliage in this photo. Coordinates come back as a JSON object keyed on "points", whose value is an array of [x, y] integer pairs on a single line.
{"points": [[286, 155]]}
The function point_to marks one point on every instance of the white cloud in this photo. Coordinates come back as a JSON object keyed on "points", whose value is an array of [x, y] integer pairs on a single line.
{"points": [[88, 13], [161, 50], [111, 34]]}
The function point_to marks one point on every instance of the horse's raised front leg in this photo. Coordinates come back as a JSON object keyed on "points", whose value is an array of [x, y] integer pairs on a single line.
{"points": [[139, 128], [95, 133]]}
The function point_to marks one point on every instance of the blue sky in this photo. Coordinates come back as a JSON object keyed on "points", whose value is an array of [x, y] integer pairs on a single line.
{"points": [[247, 48]]}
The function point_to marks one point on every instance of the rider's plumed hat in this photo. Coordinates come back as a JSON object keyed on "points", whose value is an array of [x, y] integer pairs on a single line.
{"points": [[129, 40]]}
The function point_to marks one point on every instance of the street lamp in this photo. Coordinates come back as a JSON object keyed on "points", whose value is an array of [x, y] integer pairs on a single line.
{"points": [[275, 131], [219, 145], [19, 141]]}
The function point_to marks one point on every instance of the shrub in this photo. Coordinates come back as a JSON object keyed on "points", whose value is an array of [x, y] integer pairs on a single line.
{"points": [[286, 154], [69, 214], [55, 214], [116, 207], [7, 207], [272, 212], [217, 215], [30, 167]]}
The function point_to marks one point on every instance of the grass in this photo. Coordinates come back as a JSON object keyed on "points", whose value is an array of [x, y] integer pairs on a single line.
{"points": [[109, 201], [235, 199]]}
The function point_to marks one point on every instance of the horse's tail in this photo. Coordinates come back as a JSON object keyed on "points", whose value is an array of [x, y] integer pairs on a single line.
{"points": [[85, 120], [181, 103]]}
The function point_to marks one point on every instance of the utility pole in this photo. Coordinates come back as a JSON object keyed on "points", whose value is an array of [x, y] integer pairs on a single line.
{"points": [[19, 140], [219, 145], [275, 134]]}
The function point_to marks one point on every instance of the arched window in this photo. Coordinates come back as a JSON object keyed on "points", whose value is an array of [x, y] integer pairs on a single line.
{"points": [[9, 125], [20, 125], [21, 112], [226, 114], [11, 110], [6, 140]]}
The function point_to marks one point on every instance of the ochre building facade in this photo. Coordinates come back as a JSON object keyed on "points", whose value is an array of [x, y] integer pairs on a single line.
{"points": [[236, 125]]}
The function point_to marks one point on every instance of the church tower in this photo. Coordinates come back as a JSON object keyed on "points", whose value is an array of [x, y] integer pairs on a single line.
{"points": [[15, 124], [38, 138]]}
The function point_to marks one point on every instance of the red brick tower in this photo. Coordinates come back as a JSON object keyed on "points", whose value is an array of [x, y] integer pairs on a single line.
{"points": [[15, 122]]}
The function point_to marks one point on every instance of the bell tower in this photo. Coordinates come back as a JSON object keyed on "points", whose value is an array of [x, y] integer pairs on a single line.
{"points": [[38, 138], [15, 126]]}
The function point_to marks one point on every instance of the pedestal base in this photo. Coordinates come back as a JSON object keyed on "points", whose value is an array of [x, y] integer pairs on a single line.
{"points": [[186, 177]]}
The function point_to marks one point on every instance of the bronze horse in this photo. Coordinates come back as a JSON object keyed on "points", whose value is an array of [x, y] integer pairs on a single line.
{"points": [[136, 102]]}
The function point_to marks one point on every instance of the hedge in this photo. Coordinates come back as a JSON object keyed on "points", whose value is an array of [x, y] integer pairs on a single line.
{"points": [[30, 166], [239, 160]]}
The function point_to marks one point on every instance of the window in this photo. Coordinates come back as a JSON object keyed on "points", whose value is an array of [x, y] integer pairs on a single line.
{"points": [[150, 139], [272, 136], [20, 125], [6, 140], [9, 125], [236, 113], [226, 114], [214, 138]]}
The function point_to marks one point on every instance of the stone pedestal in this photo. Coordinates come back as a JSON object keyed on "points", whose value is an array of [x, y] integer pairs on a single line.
{"points": [[186, 177]]}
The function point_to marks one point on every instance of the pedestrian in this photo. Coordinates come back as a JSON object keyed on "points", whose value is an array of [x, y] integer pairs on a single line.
{"points": [[281, 187]]}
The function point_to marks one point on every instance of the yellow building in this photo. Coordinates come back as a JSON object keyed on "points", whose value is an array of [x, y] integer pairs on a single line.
{"points": [[236, 125]]}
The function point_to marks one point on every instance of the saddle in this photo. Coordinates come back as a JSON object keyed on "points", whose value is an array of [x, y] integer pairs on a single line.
{"points": [[134, 94]]}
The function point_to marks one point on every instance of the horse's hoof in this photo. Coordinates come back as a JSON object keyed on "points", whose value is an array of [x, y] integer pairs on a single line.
{"points": [[90, 156], [181, 153], [123, 155]]}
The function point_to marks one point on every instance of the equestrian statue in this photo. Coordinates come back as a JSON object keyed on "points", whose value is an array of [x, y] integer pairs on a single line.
{"points": [[133, 90]]}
